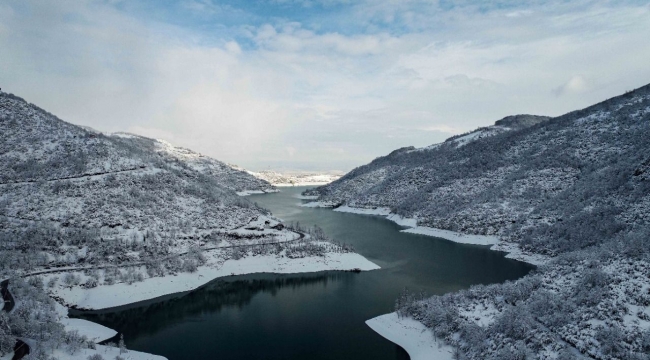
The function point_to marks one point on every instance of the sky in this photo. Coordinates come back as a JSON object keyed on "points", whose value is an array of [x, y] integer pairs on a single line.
{"points": [[316, 84]]}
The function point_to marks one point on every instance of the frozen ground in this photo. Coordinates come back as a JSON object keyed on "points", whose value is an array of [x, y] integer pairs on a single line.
{"points": [[411, 335]]}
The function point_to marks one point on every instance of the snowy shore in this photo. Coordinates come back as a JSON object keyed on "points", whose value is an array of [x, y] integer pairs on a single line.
{"points": [[251, 192], [302, 183], [412, 336], [107, 352], [107, 296], [513, 251]]}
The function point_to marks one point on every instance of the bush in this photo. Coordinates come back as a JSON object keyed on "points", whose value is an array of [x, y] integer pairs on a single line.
{"points": [[189, 265]]}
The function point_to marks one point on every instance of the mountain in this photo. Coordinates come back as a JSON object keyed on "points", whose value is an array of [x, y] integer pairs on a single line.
{"points": [[84, 215], [575, 188], [55, 171], [296, 178], [551, 185], [226, 175]]}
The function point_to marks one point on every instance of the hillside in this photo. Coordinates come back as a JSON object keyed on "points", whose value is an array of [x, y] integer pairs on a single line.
{"points": [[574, 188], [296, 178], [535, 185], [83, 216], [227, 176]]}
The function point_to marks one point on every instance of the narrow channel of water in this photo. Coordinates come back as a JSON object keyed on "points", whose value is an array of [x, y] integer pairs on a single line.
{"points": [[308, 316]]}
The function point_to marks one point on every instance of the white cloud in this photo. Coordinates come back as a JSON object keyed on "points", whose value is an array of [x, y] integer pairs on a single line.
{"points": [[576, 85], [289, 94]]}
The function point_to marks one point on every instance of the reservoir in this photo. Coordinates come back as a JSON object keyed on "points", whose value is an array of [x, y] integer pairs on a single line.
{"points": [[307, 316]]}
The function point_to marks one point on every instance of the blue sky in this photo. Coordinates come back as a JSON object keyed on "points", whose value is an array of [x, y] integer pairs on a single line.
{"points": [[316, 85]]}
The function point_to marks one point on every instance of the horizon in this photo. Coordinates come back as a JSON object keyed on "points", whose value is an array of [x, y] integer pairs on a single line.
{"points": [[316, 85]]}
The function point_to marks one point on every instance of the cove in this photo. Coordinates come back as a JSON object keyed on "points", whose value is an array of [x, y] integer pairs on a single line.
{"points": [[307, 316]]}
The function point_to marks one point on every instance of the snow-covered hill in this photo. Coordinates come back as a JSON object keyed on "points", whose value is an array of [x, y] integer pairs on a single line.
{"points": [[226, 175], [84, 215], [573, 188], [296, 178]]}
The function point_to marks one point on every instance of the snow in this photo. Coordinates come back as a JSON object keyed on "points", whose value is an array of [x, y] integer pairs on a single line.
{"points": [[454, 236], [306, 197], [107, 352], [426, 148], [513, 250], [515, 253], [249, 192], [303, 183], [464, 140], [317, 204], [94, 332], [107, 296], [402, 221], [482, 315], [411, 335], [373, 211], [288, 179]]}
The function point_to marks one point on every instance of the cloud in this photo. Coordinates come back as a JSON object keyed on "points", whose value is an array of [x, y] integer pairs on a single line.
{"points": [[316, 85], [443, 129], [576, 85]]}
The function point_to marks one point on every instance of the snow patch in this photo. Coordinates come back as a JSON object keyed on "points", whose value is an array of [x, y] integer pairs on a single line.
{"points": [[306, 197], [370, 211], [94, 332], [402, 221], [454, 236], [317, 204], [415, 338]]}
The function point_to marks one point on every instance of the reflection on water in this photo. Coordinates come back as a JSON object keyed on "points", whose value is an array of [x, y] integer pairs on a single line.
{"points": [[307, 316], [232, 291]]}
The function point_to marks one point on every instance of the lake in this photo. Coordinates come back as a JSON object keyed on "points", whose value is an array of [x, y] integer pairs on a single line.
{"points": [[307, 316]]}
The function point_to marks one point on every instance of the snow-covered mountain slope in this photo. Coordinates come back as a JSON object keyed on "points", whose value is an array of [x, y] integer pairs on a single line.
{"points": [[52, 171], [226, 175], [575, 188], [509, 123], [80, 210], [557, 185], [296, 178]]}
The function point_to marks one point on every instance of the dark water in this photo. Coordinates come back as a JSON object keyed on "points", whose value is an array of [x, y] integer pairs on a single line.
{"points": [[310, 316]]}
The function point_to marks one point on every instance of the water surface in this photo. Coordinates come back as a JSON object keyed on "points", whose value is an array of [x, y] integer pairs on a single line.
{"points": [[307, 316]]}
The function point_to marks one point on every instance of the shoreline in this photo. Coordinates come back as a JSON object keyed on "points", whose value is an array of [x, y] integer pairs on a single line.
{"points": [[253, 192], [412, 336], [512, 250], [121, 294], [106, 297]]}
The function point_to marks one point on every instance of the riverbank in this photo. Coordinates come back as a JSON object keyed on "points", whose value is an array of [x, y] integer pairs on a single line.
{"points": [[412, 336], [512, 249], [107, 296], [106, 352]]}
